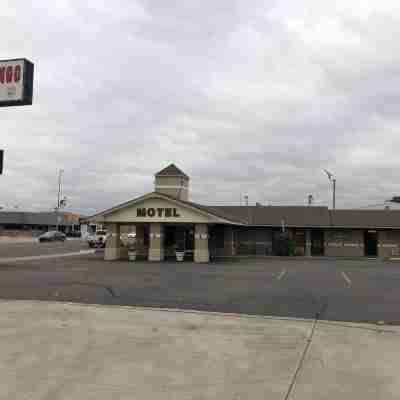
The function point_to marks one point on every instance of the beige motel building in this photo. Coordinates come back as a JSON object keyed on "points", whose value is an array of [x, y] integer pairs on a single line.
{"points": [[166, 220]]}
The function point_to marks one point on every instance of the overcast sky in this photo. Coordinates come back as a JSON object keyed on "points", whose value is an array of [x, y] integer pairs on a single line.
{"points": [[246, 97]]}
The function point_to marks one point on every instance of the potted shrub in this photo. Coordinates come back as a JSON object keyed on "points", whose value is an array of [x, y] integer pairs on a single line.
{"points": [[131, 249]]}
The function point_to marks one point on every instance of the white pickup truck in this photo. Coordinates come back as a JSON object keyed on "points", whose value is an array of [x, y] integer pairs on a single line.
{"points": [[98, 239]]}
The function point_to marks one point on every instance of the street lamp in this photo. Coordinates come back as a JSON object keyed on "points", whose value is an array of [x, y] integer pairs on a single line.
{"points": [[60, 202], [333, 180]]}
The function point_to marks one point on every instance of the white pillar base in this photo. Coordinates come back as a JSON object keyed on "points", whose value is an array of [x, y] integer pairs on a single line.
{"points": [[201, 256], [112, 253], [156, 254]]}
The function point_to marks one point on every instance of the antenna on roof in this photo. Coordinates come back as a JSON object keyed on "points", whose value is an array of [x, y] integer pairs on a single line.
{"points": [[246, 199], [310, 199]]}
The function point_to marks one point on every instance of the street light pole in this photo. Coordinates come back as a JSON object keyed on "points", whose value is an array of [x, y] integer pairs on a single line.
{"points": [[333, 180], [58, 196]]}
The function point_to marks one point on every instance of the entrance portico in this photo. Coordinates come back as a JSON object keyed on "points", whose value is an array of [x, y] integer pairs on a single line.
{"points": [[155, 215]]}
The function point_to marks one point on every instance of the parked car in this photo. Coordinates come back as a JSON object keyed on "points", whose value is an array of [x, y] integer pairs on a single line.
{"points": [[99, 239], [52, 236], [75, 234]]}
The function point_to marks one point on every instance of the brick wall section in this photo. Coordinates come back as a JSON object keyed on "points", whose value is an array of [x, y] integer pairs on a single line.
{"points": [[344, 243], [388, 243]]}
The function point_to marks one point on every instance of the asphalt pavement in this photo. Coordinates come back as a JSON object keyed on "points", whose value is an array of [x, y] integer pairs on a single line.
{"points": [[18, 248], [341, 290]]}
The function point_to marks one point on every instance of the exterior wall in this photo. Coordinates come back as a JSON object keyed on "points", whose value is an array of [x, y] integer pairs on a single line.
{"points": [[308, 243], [229, 242], [344, 242], [176, 186], [222, 241], [299, 237], [254, 241], [388, 243]]}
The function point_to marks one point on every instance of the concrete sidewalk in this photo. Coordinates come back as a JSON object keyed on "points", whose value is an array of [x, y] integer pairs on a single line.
{"points": [[72, 351]]}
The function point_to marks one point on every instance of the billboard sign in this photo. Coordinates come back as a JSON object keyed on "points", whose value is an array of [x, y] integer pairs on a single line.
{"points": [[16, 82]]}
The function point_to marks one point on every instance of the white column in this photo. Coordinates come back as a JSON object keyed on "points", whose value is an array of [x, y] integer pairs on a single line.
{"points": [[156, 249], [201, 253], [113, 243]]}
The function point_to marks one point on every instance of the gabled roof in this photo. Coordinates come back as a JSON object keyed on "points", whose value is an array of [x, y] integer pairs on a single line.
{"points": [[292, 216], [205, 209], [171, 170]]}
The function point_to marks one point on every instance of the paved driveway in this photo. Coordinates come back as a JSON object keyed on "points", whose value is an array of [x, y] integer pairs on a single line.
{"points": [[360, 291], [18, 248]]}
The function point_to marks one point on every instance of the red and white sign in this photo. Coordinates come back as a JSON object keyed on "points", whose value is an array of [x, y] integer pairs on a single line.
{"points": [[16, 82]]}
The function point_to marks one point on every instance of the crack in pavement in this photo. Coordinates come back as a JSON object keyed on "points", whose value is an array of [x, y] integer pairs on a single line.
{"points": [[300, 363]]}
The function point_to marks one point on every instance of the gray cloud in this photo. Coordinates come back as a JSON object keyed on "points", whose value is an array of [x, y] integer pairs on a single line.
{"points": [[247, 99]]}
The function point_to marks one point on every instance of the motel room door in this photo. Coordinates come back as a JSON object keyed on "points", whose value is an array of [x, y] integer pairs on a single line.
{"points": [[371, 243]]}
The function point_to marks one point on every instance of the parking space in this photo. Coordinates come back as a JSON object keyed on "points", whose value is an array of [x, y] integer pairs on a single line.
{"points": [[345, 290]]}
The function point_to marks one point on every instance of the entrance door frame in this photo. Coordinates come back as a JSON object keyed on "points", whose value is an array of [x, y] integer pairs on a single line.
{"points": [[184, 227]]}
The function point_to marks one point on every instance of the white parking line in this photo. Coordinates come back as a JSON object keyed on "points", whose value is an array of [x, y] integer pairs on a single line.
{"points": [[282, 274], [346, 278]]}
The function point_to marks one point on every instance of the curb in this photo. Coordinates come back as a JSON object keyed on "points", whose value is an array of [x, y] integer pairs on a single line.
{"points": [[354, 325], [295, 258]]}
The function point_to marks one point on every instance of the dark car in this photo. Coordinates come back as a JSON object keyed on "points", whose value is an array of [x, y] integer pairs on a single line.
{"points": [[52, 236], [74, 234]]}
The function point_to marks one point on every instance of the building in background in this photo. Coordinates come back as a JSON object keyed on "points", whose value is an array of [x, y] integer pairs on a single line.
{"points": [[28, 224], [167, 222]]}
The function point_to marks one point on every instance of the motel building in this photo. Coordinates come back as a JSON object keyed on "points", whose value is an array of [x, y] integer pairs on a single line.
{"points": [[166, 221]]}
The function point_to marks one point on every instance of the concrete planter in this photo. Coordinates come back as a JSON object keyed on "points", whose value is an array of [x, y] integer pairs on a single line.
{"points": [[179, 255], [131, 255]]}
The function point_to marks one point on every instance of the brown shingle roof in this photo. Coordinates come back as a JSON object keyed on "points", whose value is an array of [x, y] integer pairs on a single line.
{"points": [[273, 215], [305, 216], [171, 170], [217, 211], [293, 216], [366, 218]]}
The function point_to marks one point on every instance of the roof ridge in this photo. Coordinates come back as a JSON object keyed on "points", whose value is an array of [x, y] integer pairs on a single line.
{"points": [[171, 170]]}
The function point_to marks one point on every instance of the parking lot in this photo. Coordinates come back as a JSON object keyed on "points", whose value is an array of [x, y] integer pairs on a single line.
{"points": [[346, 290]]}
